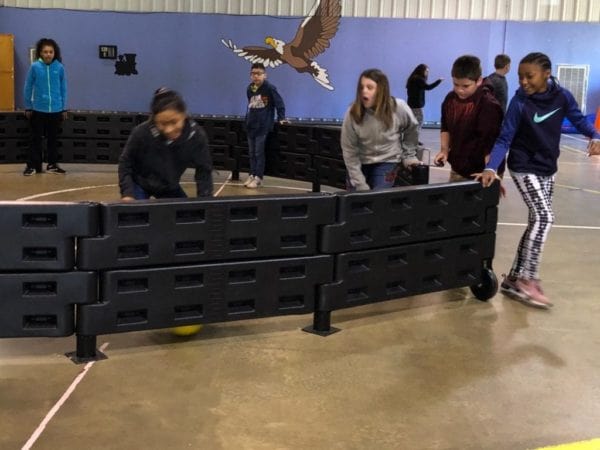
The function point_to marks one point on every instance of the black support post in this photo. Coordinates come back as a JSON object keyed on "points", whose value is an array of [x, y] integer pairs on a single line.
{"points": [[321, 324], [86, 350]]}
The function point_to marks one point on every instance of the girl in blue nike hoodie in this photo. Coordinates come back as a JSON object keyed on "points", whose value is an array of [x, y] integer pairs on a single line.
{"points": [[531, 136], [45, 105]]}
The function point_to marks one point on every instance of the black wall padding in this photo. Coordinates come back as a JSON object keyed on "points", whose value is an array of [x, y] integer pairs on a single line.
{"points": [[330, 172], [42, 304], [99, 125], [295, 139], [328, 142], [170, 296], [41, 236], [13, 151], [219, 132], [374, 275], [294, 166], [188, 231], [14, 125], [375, 219], [304, 151], [222, 157], [90, 151], [163, 263]]}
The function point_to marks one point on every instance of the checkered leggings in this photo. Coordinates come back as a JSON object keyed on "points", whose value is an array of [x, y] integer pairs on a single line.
{"points": [[537, 194]]}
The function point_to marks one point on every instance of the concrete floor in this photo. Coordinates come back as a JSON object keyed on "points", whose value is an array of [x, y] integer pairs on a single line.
{"points": [[437, 371]]}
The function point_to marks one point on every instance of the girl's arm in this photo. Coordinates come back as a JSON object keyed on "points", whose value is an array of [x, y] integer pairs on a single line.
{"points": [[578, 119], [409, 128], [203, 162], [127, 165], [433, 85], [502, 145], [507, 134], [63, 89], [28, 89], [350, 148]]}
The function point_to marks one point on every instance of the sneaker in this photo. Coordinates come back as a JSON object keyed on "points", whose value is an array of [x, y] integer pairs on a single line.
{"points": [[248, 180], [533, 294], [28, 171], [510, 288], [540, 292], [256, 182], [54, 168]]}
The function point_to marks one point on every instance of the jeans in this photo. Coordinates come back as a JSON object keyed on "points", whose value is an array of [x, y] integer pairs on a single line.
{"points": [[43, 124], [378, 175], [256, 152], [140, 193]]}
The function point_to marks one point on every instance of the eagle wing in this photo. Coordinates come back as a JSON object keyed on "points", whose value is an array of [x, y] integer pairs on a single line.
{"points": [[317, 29], [267, 56]]}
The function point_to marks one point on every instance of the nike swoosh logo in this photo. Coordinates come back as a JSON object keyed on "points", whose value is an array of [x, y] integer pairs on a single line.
{"points": [[540, 119]]}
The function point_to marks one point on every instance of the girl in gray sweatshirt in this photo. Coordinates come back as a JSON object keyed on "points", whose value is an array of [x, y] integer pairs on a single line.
{"points": [[379, 131]]}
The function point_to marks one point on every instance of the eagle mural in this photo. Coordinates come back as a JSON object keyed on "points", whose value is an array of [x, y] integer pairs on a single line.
{"points": [[312, 39]]}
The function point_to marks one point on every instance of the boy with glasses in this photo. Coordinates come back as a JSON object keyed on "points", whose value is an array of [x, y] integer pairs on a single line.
{"points": [[263, 102]]}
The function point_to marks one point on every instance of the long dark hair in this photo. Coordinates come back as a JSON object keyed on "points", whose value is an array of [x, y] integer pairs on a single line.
{"points": [[47, 42], [419, 72], [385, 104], [165, 98]]}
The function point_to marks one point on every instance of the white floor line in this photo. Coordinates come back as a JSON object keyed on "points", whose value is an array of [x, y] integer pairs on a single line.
{"points": [[568, 227], [264, 185], [575, 188], [291, 188], [216, 194], [40, 429], [83, 188], [44, 194]]}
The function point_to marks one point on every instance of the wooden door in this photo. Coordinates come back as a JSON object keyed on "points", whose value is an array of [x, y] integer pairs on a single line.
{"points": [[7, 72]]}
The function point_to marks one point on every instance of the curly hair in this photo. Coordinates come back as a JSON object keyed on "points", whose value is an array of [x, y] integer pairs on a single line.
{"points": [[47, 42]]}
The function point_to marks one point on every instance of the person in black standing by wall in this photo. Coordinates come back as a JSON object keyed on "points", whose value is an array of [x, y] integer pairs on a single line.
{"points": [[416, 85]]}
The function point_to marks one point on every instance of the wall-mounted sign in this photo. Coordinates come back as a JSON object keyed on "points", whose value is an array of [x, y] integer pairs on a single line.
{"points": [[126, 65], [107, 51]]}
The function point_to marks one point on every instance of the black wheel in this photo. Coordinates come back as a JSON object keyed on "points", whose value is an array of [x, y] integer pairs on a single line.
{"points": [[488, 286]]}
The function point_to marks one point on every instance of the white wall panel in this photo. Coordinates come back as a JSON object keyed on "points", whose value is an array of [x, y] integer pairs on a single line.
{"points": [[530, 10]]}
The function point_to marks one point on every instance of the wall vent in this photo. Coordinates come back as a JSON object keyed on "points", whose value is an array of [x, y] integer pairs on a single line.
{"points": [[575, 79]]}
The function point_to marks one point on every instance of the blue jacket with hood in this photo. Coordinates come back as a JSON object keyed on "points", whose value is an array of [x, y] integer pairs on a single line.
{"points": [[262, 105], [46, 87], [532, 127]]}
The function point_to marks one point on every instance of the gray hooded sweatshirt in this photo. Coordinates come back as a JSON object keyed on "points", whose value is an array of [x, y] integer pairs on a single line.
{"points": [[369, 143]]}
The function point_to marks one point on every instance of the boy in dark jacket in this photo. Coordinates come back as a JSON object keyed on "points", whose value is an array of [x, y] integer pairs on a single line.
{"points": [[263, 101], [471, 120]]}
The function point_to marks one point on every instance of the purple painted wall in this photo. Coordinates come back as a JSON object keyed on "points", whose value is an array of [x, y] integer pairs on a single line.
{"points": [[184, 51]]}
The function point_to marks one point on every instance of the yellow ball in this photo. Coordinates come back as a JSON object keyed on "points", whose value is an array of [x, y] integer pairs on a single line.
{"points": [[186, 330]]}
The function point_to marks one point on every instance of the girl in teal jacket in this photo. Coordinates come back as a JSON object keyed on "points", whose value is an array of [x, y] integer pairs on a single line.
{"points": [[45, 105]]}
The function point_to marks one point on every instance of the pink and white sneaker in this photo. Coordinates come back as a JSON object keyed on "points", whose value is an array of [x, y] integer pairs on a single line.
{"points": [[528, 292]]}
